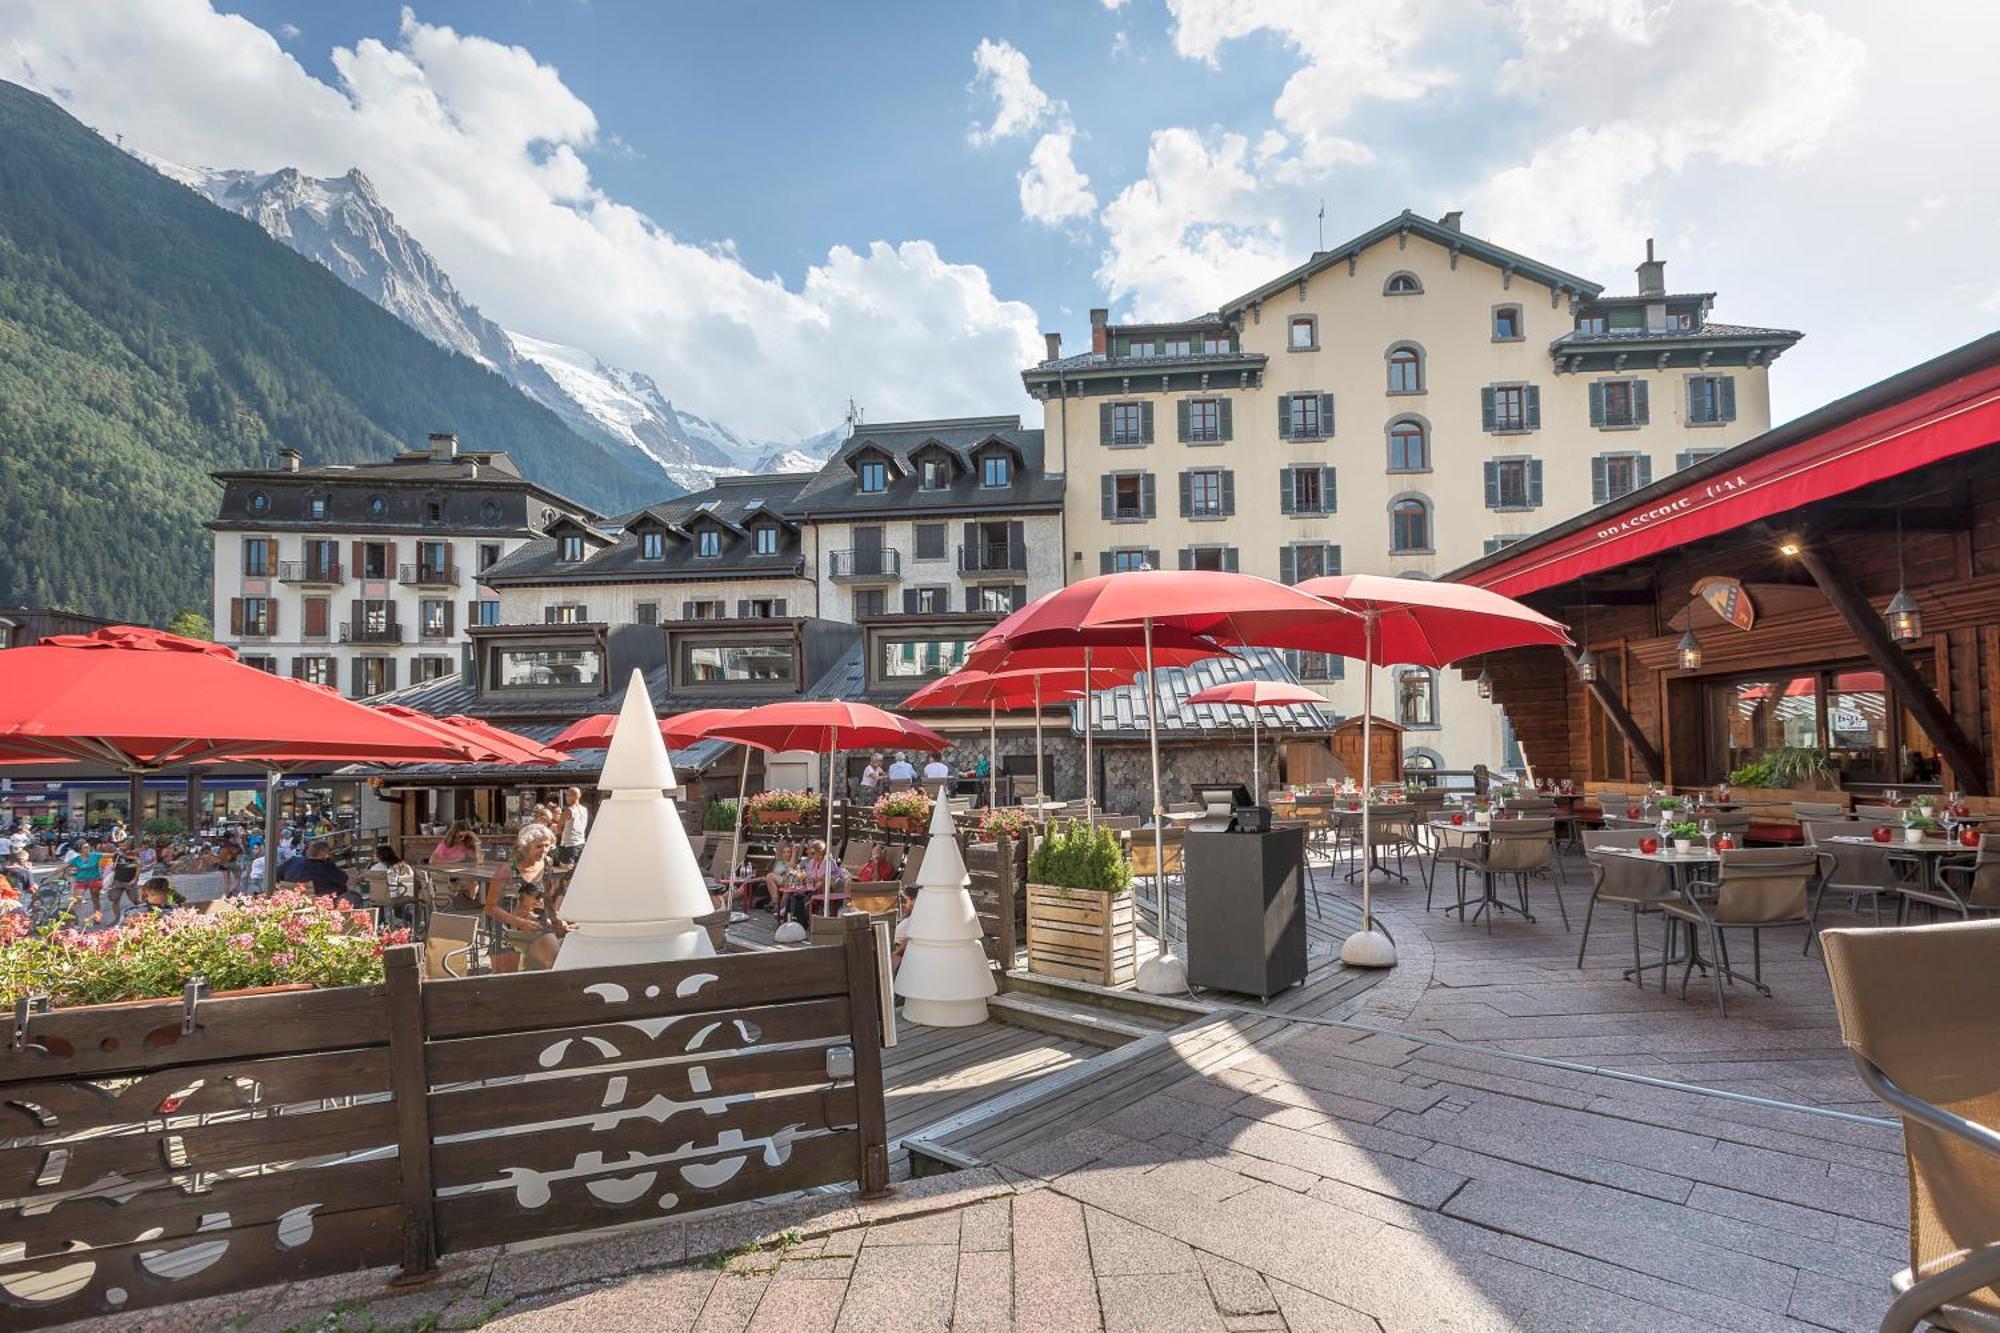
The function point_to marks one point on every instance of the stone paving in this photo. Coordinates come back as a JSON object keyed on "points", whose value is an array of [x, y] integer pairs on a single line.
{"points": [[1336, 1179]]}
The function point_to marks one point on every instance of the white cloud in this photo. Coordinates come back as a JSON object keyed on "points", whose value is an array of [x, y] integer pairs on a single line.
{"points": [[1053, 191], [1114, 4], [1193, 233], [482, 152], [288, 30], [1001, 70]]}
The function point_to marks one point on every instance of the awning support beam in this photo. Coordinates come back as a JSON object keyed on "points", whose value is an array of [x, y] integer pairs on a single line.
{"points": [[1968, 765], [1614, 708]]}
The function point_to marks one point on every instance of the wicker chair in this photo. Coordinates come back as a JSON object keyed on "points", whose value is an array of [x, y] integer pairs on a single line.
{"points": [[1920, 1013], [1755, 890], [1963, 886], [1639, 886]]}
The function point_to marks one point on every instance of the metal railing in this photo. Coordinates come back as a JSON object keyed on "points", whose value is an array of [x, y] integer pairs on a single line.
{"points": [[981, 558], [423, 575], [886, 563], [365, 633]]}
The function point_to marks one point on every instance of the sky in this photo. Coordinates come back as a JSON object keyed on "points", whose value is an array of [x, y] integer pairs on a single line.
{"points": [[776, 207]]}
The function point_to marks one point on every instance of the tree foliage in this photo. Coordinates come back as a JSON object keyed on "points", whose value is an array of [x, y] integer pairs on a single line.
{"points": [[148, 337]]}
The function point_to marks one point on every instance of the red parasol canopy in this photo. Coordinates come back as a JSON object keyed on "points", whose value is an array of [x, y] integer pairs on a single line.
{"points": [[825, 724], [1258, 694], [1014, 689], [508, 747], [140, 699], [1228, 608], [1420, 623], [1022, 642], [679, 731], [698, 724]]}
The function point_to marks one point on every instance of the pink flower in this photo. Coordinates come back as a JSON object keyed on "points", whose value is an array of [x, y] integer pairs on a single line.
{"points": [[243, 941], [282, 959]]}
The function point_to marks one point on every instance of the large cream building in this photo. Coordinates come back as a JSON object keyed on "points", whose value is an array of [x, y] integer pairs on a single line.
{"points": [[1399, 404]]}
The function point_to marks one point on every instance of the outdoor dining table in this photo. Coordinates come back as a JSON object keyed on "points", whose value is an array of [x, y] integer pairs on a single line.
{"points": [[1472, 829], [1678, 864], [1928, 850]]}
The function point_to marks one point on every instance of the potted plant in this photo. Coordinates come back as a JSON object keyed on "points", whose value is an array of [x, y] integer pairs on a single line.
{"points": [[1668, 804], [768, 808], [903, 811], [1917, 825], [1004, 821], [720, 817], [1081, 921], [1683, 832]]}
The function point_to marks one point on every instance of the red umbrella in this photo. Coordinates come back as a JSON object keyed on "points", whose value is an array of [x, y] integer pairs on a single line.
{"points": [[1257, 695], [1228, 608], [587, 733], [1419, 623], [1011, 690], [825, 724]]}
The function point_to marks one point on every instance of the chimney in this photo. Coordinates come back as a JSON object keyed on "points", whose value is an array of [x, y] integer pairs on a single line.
{"points": [[1052, 341], [1100, 336], [1652, 273], [291, 459], [444, 445], [1453, 219]]}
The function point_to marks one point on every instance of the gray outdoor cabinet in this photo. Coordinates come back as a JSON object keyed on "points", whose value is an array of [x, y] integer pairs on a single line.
{"points": [[1246, 922]]}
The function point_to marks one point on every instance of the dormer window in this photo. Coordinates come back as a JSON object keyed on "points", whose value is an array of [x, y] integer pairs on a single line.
{"points": [[317, 506], [570, 549], [767, 540], [1143, 350], [1214, 346], [708, 542], [996, 470], [936, 474], [433, 511], [652, 546], [874, 477], [1179, 346]]}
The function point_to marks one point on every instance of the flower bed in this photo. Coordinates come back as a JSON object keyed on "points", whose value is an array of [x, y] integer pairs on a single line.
{"points": [[287, 938], [903, 810], [781, 807], [1004, 819]]}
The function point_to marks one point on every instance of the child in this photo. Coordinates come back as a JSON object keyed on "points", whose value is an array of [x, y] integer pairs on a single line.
{"points": [[156, 897]]}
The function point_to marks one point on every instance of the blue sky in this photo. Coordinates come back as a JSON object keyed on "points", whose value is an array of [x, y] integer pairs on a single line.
{"points": [[772, 207]]}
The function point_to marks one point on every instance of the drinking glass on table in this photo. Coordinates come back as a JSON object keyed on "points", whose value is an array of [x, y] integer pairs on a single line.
{"points": [[1708, 833]]}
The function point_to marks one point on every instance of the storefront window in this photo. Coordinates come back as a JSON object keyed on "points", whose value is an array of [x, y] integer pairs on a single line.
{"points": [[738, 664], [548, 668], [919, 659], [1766, 715], [1849, 713], [1857, 726]]}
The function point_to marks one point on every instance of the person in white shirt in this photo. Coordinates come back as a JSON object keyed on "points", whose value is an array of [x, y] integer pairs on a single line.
{"points": [[17, 841], [872, 777], [571, 827], [937, 770], [902, 770]]}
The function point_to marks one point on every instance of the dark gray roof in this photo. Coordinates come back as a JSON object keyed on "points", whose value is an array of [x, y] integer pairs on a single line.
{"points": [[834, 490], [1710, 332], [421, 466], [1120, 714], [1643, 298], [735, 501], [1136, 366]]}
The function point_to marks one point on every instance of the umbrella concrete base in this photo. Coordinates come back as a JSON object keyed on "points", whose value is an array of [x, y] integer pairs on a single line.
{"points": [[945, 1013], [1162, 974], [1368, 948]]}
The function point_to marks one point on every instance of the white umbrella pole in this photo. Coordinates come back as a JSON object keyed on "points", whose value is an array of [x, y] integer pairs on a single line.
{"points": [[992, 754], [736, 857], [1256, 766], [1041, 801], [826, 858], [1368, 947], [271, 780], [1163, 974], [1089, 767]]}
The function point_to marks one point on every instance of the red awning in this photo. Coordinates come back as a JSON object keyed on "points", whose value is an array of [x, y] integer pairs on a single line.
{"points": [[1954, 418]]}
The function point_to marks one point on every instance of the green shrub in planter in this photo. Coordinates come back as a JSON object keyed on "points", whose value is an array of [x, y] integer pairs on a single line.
{"points": [[161, 828], [720, 816], [1081, 856]]}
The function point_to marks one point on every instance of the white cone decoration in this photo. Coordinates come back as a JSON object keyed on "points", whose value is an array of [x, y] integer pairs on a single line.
{"points": [[637, 888], [944, 979]]}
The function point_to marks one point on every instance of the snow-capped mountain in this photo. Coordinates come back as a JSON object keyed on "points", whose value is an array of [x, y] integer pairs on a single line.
{"points": [[340, 223]]}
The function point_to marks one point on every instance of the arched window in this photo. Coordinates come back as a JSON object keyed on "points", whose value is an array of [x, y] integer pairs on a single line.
{"points": [[1416, 697], [1409, 445], [1406, 368], [1423, 759], [1410, 524], [1402, 284]]}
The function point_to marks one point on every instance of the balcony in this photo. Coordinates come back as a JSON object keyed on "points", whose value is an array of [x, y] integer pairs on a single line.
{"points": [[309, 571], [364, 633], [855, 566], [427, 576], [992, 558]]}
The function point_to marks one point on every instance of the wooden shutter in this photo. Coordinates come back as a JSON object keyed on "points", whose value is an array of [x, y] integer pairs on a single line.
{"points": [[1328, 497], [1694, 403], [1285, 498], [1532, 405], [1228, 492], [1641, 414], [450, 628], [1187, 494], [1643, 470], [909, 601], [357, 622], [1223, 422], [332, 672], [388, 674], [1152, 558], [358, 563], [236, 615], [1104, 562], [1017, 545], [1145, 423], [778, 607], [1229, 559], [1599, 487], [1326, 416], [1535, 481], [1104, 423], [1181, 420], [743, 608], [298, 668], [1492, 484], [1332, 558], [1284, 416], [1187, 557], [1726, 387], [1110, 495], [1148, 506], [389, 560], [1017, 596], [314, 619], [1488, 417], [1597, 406], [972, 597], [1287, 565]]}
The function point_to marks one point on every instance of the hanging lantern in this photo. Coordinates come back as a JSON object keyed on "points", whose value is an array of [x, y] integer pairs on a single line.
{"points": [[1485, 684], [1689, 650], [1906, 623], [1586, 666]]}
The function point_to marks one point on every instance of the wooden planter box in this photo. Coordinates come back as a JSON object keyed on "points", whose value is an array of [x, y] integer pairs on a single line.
{"points": [[770, 818], [1081, 935]]}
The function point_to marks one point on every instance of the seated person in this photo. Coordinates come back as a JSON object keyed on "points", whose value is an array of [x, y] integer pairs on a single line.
{"points": [[823, 882], [156, 898], [401, 877], [937, 770], [778, 881], [316, 872], [879, 868]]}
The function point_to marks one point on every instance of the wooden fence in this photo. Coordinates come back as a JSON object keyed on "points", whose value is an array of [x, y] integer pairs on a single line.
{"points": [[161, 1152], [998, 871]]}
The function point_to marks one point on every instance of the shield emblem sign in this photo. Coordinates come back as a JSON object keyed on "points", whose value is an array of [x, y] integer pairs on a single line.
{"points": [[1729, 600]]}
